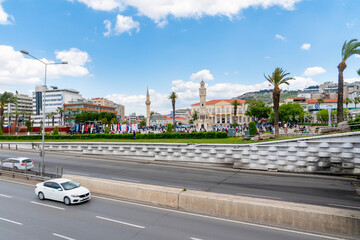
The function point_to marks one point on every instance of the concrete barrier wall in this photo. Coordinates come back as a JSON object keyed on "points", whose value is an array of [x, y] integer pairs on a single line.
{"points": [[300, 216], [338, 153]]}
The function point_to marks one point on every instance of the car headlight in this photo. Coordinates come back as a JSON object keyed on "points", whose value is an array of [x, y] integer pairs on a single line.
{"points": [[74, 195]]}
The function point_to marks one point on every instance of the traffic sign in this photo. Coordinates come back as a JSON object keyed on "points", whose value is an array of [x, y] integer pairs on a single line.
{"points": [[316, 105]]}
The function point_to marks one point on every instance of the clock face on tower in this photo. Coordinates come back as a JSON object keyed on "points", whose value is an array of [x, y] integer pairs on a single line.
{"points": [[202, 92]]}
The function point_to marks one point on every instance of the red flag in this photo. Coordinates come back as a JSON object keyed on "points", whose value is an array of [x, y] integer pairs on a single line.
{"points": [[87, 127]]}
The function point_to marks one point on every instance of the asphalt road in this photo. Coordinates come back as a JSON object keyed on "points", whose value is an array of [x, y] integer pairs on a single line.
{"points": [[334, 192], [23, 216]]}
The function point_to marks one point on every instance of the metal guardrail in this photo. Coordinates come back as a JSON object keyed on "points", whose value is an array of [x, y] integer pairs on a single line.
{"points": [[29, 174]]}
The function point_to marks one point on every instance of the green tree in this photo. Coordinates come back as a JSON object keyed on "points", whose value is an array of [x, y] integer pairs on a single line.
{"points": [[56, 131], [257, 109], [142, 123], [173, 96], [252, 128], [277, 78], [114, 121], [235, 103], [347, 101], [5, 98], [290, 111], [1, 132], [356, 101], [104, 121], [29, 125], [320, 101], [107, 130], [349, 48]]}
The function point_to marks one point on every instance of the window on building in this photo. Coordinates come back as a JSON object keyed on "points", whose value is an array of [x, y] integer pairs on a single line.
{"points": [[228, 119]]}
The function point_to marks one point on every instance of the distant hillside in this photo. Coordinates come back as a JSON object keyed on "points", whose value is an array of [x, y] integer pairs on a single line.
{"points": [[266, 95]]}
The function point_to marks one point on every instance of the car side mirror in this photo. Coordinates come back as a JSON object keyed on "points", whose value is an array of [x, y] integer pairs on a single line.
{"points": [[59, 189]]}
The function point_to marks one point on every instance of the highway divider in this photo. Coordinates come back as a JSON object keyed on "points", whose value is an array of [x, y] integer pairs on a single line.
{"points": [[293, 215]]}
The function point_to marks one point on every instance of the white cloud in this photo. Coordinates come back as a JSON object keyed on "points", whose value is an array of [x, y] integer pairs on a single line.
{"points": [[357, 55], [312, 71], [107, 27], [4, 17], [301, 83], [159, 10], [202, 75], [125, 24], [278, 36], [267, 57], [16, 69], [103, 5], [226, 73], [306, 46]]}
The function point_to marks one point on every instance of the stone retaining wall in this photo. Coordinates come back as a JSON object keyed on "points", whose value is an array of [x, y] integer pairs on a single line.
{"points": [[338, 153]]}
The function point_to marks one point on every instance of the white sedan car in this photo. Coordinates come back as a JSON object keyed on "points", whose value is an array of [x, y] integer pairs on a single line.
{"points": [[63, 190], [20, 163]]}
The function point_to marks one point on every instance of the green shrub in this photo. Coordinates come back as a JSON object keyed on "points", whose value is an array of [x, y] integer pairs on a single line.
{"points": [[252, 128], [56, 131], [169, 128], [1, 132], [107, 130], [194, 135]]}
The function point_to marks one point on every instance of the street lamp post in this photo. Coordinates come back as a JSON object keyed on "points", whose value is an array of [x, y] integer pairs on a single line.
{"points": [[43, 108], [329, 112]]}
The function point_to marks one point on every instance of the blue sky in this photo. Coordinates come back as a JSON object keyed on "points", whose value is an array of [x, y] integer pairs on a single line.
{"points": [[116, 48]]}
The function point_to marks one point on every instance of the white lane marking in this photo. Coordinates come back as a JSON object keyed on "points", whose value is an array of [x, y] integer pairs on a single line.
{"points": [[125, 179], [77, 173], [6, 196], [61, 236], [46, 205], [192, 238], [125, 223], [254, 195], [221, 219], [339, 205], [7, 220]]}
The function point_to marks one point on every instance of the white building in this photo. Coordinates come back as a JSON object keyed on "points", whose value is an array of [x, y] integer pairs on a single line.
{"points": [[24, 104], [54, 98]]}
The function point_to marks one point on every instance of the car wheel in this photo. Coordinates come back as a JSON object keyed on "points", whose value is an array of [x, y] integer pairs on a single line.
{"points": [[15, 168], [67, 201], [41, 196]]}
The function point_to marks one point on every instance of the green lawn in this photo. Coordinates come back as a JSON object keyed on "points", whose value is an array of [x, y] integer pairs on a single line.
{"points": [[198, 141]]}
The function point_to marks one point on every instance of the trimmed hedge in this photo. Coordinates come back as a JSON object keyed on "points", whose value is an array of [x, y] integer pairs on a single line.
{"points": [[199, 135]]}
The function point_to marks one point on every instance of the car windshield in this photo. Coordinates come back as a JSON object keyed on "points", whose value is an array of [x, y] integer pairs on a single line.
{"points": [[27, 161], [70, 185]]}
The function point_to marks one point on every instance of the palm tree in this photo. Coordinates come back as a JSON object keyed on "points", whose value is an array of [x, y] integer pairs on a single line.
{"points": [[60, 111], [320, 101], [356, 101], [349, 48], [235, 103], [48, 116], [347, 101], [173, 96], [5, 98], [277, 78]]}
